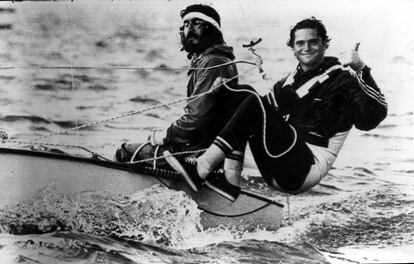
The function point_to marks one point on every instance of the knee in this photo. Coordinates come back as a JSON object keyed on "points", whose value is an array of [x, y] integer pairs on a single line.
{"points": [[296, 187], [290, 188], [297, 190]]}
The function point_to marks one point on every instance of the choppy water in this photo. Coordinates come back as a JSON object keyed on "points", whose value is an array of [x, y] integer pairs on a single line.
{"points": [[362, 212]]}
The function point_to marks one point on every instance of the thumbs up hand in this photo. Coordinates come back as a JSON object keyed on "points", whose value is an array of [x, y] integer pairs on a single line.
{"points": [[352, 59]]}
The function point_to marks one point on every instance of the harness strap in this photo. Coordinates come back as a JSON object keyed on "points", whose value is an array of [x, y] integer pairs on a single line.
{"points": [[304, 89]]}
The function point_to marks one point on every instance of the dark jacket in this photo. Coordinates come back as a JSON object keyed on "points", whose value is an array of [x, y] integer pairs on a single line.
{"points": [[333, 104], [205, 116]]}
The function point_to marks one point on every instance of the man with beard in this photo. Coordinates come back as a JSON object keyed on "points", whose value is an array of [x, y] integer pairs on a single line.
{"points": [[206, 115]]}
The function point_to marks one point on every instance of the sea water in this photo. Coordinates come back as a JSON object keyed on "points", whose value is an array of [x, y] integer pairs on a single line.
{"points": [[363, 211]]}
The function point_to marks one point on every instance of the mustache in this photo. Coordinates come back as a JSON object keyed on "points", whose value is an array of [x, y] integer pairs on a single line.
{"points": [[191, 35]]}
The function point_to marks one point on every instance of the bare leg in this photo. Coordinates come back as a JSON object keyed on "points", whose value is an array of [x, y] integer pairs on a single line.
{"points": [[207, 162], [233, 166]]}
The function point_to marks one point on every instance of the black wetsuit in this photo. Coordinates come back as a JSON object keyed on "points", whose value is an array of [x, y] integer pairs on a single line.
{"points": [[304, 108]]}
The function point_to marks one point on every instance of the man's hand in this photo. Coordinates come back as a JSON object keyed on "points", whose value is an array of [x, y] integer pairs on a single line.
{"points": [[157, 137], [352, 59]]}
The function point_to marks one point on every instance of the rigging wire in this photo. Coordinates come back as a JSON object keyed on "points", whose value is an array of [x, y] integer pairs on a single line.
{"points": [[131, 113], [95, 155], [110, 68], [70, 57]]}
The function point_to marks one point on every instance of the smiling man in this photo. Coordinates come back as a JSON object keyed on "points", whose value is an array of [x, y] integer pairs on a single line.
{"points": [[309, 48]]}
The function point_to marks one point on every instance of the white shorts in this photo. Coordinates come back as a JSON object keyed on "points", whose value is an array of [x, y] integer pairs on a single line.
{"points": [[324, 158]]}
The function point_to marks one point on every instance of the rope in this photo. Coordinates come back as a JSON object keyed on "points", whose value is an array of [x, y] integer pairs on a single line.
{"points": [[110, 68], [137, 151], [264, 124], [169, 155], [155, 171], [96, 155], [22, 142], [187, 99], [65, 131]]}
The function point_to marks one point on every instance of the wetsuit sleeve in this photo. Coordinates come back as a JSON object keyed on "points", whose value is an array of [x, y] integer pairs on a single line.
{"points": [[284, 97], [369, 107], [198, 112]]}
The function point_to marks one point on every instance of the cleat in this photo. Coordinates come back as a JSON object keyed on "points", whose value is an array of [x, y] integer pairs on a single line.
{"points": [[187, 170], [219, 183]]}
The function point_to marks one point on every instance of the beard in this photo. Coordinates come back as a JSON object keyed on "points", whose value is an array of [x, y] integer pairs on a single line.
{"points": [[194, 43]]}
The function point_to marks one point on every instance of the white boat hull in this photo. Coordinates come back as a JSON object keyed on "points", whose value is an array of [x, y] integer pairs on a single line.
{"points": [[24, 172]]}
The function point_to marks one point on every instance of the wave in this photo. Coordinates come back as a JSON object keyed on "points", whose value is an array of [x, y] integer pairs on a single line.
{"points": [[67, 123], [5, 101], [331, 187], [386, 137], [7, 10], [39, 129], [40, 120], [97, 88], [127, 127], [156, 214], [83, 107], [44, 87], [401, 60], [257, 251], [370, 218], [164, 68], [75, 247], [6, 26], [388, 126], [154, 115], [54, 55], [154, 54], [69, 82], [403, 114], [7, 77], [142, 73], [127, 33], [144, 100], [123, 37], [31, 118], [363, 171]]}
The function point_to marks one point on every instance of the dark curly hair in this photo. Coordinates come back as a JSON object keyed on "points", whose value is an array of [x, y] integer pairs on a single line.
{"points": [[311, 22]]}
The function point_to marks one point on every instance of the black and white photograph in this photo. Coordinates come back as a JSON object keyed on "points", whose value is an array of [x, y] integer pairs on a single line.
{"points": [[217, 132]]}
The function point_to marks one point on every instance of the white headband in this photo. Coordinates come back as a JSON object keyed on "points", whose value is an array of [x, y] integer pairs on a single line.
{"points": [[201, 16]]}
